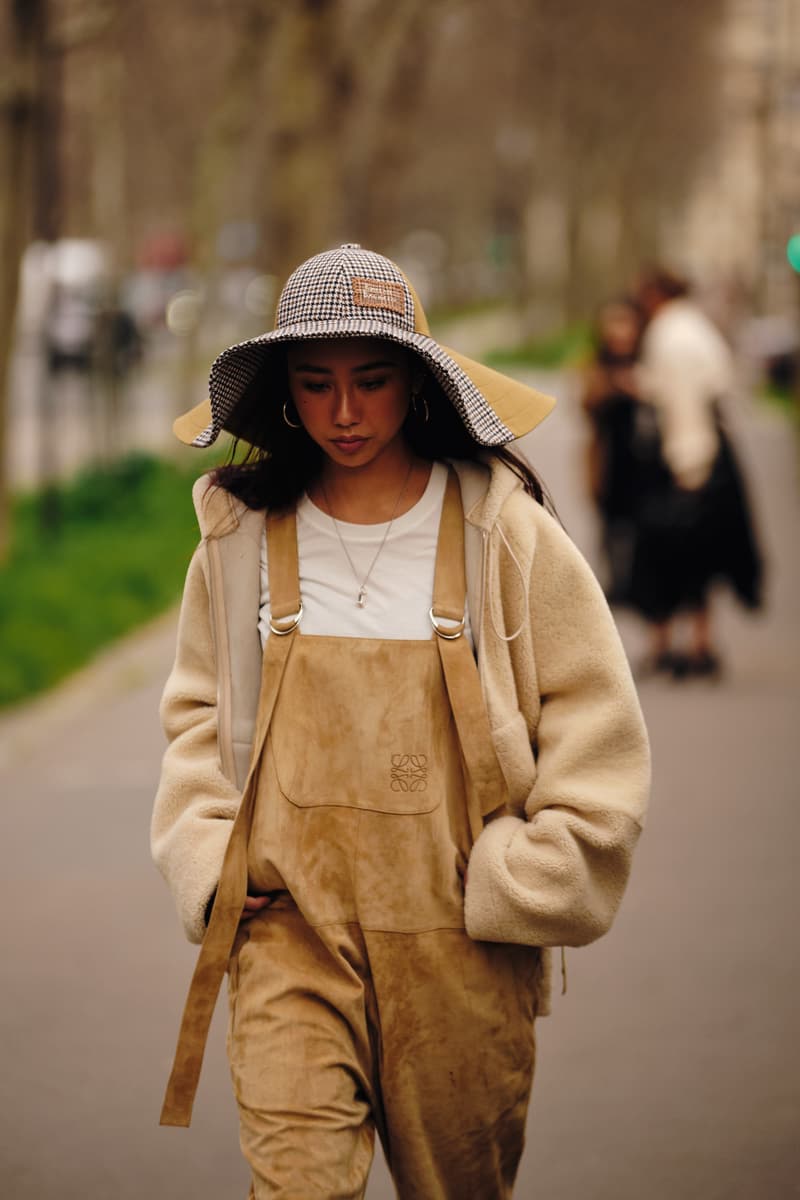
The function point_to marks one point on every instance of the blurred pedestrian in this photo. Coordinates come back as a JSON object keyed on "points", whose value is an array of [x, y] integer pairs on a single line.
{"points": [[694, 527], [119, 342], [611, 403], [70, 329], [379, 838]]}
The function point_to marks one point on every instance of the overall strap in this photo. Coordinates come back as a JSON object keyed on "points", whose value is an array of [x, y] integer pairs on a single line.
{"points": [[486, 786], [215, 952], [450, 580], [283, 566]]}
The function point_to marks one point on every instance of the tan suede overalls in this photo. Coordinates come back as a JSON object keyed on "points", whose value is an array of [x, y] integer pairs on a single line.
{"points": [[356, 999]]}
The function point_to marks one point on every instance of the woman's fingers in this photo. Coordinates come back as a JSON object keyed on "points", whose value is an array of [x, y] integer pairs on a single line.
{"points": [[254, 904]]}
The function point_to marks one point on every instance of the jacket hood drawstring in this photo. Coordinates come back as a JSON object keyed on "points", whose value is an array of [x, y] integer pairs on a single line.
{"points": [[489, 567]]}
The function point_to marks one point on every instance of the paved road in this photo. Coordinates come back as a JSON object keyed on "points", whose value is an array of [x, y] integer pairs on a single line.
{"points": [[669, 1070]]}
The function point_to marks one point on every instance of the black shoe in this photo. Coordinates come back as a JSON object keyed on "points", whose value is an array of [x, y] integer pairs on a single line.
{"points": [[704, 665], [659, 664], [662, 663], [680, 666]]}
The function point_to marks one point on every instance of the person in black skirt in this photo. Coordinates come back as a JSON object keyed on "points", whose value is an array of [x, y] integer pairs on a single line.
{"points": [[614, 455]]}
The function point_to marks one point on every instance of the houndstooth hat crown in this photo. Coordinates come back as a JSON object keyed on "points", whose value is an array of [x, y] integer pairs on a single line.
{"points": [[351, 292]]}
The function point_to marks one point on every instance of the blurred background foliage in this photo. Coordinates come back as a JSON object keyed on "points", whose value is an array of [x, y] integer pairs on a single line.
{"points": [[165, 163], [125, 534]]}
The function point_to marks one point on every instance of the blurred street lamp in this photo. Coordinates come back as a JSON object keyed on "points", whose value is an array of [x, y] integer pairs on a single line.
{"points": [[793, 252], [183, 317], [793, 255], [184, 311], [260, 295]]}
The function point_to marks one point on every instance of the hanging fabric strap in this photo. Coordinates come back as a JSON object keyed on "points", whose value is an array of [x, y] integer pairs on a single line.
{"points": [[212, 960], [486, 786]]}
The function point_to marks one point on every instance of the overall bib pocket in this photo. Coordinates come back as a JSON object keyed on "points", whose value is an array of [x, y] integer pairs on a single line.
{"points": [[382, 753]]}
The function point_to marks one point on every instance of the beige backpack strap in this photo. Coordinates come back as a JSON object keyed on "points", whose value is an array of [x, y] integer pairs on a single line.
{"points": [[486, 786], [215, 952]]}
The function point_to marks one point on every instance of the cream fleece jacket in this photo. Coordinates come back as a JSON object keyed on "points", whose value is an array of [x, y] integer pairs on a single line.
{"points": [[559, 695]]}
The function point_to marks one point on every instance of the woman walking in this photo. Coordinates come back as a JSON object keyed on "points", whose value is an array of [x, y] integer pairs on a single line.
{"points": [[405, 753]]}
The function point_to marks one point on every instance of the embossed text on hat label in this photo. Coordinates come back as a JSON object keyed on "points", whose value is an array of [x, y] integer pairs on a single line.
{"points": [[379, 293]]}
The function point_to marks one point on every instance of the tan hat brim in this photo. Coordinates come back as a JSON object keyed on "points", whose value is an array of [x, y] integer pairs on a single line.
{"points": [[519, 406], [190, 425]]}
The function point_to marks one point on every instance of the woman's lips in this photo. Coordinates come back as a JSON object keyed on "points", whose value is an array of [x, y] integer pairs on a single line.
{"points": [[349, 445]]}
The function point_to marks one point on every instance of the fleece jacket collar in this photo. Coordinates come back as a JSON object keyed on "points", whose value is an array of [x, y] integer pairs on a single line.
{"points": [[483, 504]]}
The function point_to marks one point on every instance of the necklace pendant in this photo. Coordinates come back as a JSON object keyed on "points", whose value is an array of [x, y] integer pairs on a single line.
{"points": [[362, 597]]}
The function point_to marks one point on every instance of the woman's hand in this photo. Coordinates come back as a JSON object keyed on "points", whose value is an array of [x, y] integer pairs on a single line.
{"points": [[254, 904], [625, 379]]}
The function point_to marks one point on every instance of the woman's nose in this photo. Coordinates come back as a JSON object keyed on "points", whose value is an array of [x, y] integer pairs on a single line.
{"points": [[345, 407]]}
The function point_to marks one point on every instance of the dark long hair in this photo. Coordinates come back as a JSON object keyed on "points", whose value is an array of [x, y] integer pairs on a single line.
{"points": [[280, 463]]}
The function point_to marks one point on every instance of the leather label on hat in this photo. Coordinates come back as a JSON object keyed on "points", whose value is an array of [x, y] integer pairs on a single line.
{"points": [[379, 293]]}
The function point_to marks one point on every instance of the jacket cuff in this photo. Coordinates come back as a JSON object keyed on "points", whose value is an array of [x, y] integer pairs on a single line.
{"points": [[491, 911], [194, 880]]}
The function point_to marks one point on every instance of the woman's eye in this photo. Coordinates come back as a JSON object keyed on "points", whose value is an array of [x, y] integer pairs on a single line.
{"points": [[372, 385], [312, 385]]}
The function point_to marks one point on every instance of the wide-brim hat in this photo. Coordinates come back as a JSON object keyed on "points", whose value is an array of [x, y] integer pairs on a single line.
{"points": [[351, 292]]}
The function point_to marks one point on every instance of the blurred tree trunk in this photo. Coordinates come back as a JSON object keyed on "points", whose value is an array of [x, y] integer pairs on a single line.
{"points": [[626, 106], [329, 115], [47, 224], [20, 101], [343, 84], [226, 140], [382, 135], [109, 222], [233, 127], [311, 85]]}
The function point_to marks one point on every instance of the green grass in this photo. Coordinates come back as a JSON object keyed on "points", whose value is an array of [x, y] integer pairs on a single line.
{"points": [[564, 348], [115, 556], [782, 397]]}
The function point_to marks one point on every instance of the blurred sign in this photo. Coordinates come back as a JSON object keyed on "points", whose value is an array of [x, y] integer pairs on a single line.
{"points": [[793, 251]]}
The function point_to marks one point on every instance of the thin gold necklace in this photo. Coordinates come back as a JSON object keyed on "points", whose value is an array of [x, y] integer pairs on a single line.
{"points": [[361, 599]]}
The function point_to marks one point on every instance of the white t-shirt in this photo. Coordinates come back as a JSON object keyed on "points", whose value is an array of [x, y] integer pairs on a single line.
{"points": [[400, 587]]}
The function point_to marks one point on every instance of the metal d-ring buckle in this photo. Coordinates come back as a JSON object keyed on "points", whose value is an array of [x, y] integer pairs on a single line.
{"points": [[448, 632], [295, 621]]}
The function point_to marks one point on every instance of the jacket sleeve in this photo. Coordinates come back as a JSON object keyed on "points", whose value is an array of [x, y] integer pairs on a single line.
{"points": [[195, 803], [556, 876]]}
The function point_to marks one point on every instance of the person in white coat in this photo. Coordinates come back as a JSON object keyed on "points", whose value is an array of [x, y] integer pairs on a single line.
{"points": [[695, 526]]}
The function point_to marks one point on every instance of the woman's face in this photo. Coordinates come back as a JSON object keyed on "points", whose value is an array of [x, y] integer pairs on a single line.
{"points": [[352, 396], [619, 328]]}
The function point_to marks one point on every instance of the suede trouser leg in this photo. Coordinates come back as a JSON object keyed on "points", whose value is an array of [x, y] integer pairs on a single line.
{"points": [[457, 1057], [301, 1060]]}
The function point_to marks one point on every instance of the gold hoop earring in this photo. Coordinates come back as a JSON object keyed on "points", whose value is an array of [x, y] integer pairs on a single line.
{"points": [[415, 396], [291, 424]]}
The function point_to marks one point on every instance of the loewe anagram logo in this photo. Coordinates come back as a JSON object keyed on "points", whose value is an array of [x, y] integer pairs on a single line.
{"points": [[409, 772]]}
